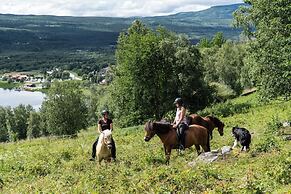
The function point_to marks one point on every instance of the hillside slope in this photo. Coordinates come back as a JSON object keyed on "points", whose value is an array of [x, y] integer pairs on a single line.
{"points": [[38, 33], [62, 166], [38, 42]]}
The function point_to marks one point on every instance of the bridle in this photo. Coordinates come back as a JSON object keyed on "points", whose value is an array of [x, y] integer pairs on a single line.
{"points": [[152, 132]]}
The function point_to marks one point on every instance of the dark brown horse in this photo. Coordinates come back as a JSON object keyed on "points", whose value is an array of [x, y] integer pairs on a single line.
{"points": [[209, 122], [196, 135]]}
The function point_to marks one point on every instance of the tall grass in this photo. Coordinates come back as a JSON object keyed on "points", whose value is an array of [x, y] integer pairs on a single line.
{"points": [[51, 165]]}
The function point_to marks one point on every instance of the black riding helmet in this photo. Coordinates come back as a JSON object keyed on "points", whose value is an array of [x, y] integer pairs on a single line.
{"points": [[104, 112], [179, 101]]}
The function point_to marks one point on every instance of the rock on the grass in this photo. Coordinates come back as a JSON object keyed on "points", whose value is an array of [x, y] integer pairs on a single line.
{"points": [[208, 157], [225, 150], [205, 157], [287, 137]]}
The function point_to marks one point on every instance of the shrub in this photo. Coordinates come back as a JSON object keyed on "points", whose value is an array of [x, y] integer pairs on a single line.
{"points": [[65, 109], [268, 144], [273, 126], [284, 174], [225, 109], [34, 125]]}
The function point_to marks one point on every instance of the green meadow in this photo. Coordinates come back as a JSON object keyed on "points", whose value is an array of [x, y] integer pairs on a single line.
{"points": [[61, 165]]}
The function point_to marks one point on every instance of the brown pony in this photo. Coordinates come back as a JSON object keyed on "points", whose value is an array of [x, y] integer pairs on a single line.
{"points": [[196, 135], [209, 122]]}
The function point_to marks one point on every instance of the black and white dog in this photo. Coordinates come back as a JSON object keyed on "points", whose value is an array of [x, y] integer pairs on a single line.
{"points": [[243, 136]]}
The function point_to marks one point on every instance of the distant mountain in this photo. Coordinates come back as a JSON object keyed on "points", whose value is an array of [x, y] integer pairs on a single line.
{"points": [[38, 34]]}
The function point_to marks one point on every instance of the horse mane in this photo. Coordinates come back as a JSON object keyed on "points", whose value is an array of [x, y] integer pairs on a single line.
{"points": [[215, 120], [107, 132], [160, 127]]}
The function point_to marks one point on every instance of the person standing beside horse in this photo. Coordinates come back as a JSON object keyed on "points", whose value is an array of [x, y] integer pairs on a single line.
{"points": [[180, 123], [104, 124]]}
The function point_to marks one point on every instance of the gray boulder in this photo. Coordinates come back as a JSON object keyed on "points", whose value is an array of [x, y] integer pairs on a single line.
{"points": [[209, 157]]}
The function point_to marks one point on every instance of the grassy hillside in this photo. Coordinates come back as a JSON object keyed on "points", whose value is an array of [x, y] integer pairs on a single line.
{"points": [[62, 166]]}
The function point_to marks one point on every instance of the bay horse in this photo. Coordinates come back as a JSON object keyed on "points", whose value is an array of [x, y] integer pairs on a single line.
{"points": [[104, 146], [195, 135], [209, 122]]}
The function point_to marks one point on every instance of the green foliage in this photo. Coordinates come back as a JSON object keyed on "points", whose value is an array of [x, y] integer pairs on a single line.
{"points": [[4, 135], [97, 99], [267, 145], [13, 123], [58, 73], [35, 125], [269, 50], [204, 43], [223, 92], [153, 68], [65, 109], [226, 109], [283, 175], [18, 122], [273, 127], [8, 85], [218, 40], [223, 63]]}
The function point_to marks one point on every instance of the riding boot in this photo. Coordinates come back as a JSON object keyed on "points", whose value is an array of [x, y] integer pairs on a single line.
{"points": [[113, 151], [94, 150], [183, 140], [178, 137], [181, 137]]}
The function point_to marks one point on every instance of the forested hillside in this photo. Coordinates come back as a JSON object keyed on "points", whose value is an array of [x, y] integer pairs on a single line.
{"points": [[59, 41]]}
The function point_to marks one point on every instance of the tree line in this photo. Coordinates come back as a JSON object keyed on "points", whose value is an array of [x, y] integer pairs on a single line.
{"points": [[64, 112]]}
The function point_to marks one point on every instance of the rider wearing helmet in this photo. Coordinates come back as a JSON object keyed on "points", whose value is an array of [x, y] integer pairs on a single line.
{"points": [[104, 124], [180, 122]]}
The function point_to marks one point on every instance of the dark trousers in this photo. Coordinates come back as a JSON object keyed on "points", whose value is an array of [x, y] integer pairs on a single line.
{"points": [[113, 149], [181, 133]]}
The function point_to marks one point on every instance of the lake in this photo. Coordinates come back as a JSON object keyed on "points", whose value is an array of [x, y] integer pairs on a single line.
{"points": [[14, 98]]}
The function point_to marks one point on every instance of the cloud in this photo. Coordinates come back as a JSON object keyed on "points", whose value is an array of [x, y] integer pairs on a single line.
{"points": [[112, 8]]}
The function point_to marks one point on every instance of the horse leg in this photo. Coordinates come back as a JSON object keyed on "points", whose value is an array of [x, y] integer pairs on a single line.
{"points": [[198, 149], [165, 150], [99, 160], [208, 144], [210, 134], [206, 148], [168, 154]]}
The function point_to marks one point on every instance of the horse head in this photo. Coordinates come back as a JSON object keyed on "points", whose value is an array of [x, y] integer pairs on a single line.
{"points": [[217, 123], [220, 128], [149, 131], [107, 138]]}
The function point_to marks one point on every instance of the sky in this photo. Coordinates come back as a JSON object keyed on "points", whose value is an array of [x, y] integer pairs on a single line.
{"points": [[111, 8]]}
